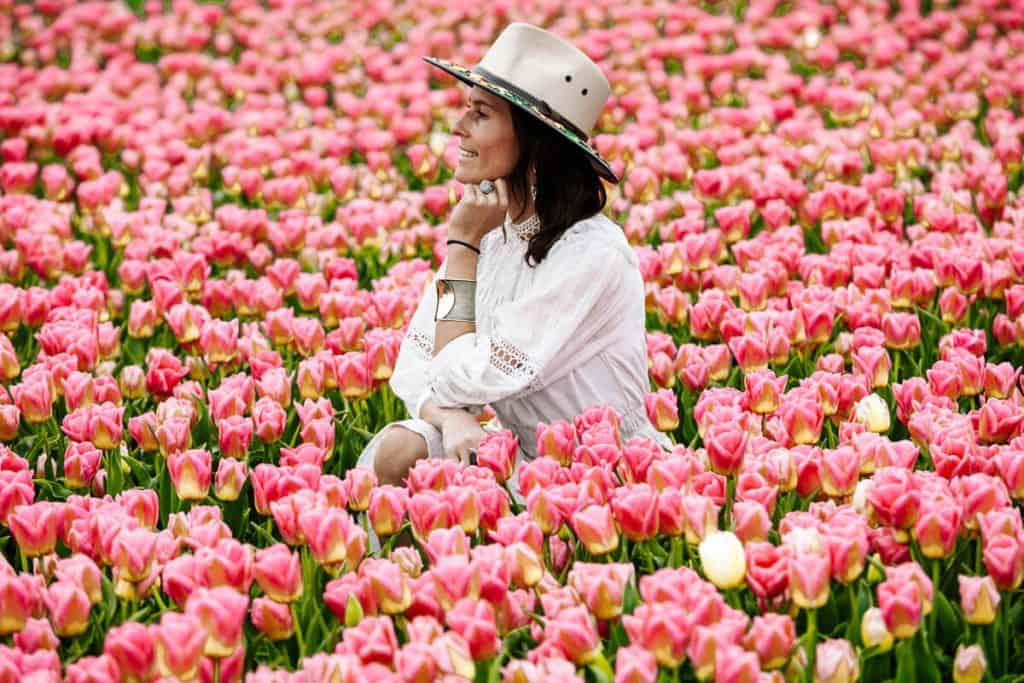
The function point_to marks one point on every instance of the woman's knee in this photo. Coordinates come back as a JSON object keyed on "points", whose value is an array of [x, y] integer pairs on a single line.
{"points": [[397, 450]]}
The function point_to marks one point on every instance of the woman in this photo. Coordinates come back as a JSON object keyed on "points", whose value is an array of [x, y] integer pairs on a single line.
{"points": [[541, 312]]}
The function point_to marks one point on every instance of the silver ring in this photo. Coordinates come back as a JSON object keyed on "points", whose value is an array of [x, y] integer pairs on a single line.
{"points": [[487, 187]]}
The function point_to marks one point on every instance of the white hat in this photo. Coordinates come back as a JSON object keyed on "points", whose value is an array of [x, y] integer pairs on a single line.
{"points": [[548, 77]]}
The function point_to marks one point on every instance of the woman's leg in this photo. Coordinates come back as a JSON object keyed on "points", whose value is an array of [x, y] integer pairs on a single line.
{"points": [[398, 450]]}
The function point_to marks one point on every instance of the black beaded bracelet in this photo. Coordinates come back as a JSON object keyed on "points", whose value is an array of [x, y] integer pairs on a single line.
{"points": [[465, 244]]}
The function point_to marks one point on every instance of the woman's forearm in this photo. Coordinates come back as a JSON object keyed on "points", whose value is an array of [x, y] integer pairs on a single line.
{"points": [[435, 414], [460, 264]]}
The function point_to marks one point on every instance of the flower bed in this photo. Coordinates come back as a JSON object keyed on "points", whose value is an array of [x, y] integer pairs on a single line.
{"points": [[216, 222]]}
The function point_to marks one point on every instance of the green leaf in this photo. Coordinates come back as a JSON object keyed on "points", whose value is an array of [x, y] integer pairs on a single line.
{"points": [[905, 669], [947, 625]]}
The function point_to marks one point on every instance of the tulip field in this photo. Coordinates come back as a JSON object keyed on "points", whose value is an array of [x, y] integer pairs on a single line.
{"points": [[216, 221]]}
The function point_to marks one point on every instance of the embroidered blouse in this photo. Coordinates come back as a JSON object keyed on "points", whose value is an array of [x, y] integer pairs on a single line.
{"points": [[550, 341]]}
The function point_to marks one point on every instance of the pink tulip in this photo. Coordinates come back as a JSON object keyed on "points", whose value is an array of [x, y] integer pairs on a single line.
{"points": [[475, 622], [1004, 561], [726, 446], [636, 511], [662, 410], [230, 478], [574, 633], [372, 640], [937, 527], [601, 587], [497, 452], [273, 619], [68, 606], [163, 372], [17, 599], [809, 575], [901, 603], [840, 471], [595, 528], [340, 592], [190, 473], [979, 599], [635, 664], [359, 482], [131, 645], [220, 615], [389, 584], [36, 635], [663, 630], [387, 509], [34, 528], [180, 639], [34, 400], [234, 436], [333, 537]]}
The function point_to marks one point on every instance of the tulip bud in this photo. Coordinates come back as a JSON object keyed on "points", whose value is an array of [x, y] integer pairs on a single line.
{"points": [[874, 632], [969, 665], [979, 599]]}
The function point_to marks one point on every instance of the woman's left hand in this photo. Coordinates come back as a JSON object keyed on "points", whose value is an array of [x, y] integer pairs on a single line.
{"points": [[477, 213]]}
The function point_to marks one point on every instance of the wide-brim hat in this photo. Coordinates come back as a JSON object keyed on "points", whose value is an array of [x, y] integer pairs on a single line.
{"points": [[546, 76]]}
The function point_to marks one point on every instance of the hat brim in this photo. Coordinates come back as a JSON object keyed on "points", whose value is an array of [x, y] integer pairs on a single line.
{"points": [[602, 167]]}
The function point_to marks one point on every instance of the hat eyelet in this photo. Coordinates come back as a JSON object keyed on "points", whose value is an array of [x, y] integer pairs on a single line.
{"points": [[584, 91], [568, 78]]}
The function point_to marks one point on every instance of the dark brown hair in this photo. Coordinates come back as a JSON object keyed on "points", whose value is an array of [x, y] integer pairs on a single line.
{"points": [[568, 187]]}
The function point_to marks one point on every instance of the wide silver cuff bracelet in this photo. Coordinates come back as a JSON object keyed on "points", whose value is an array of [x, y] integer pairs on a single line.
{"points": [[456, 300]]}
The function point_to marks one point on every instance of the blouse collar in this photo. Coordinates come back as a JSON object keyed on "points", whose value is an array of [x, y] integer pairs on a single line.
{"points": [[525, 230]]}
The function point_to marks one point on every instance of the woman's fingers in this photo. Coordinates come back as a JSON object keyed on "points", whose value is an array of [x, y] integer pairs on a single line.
{"points": [[501, 190]]}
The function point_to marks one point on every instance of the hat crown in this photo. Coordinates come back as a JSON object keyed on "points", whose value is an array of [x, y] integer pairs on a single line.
{"points": [[550, 69]]}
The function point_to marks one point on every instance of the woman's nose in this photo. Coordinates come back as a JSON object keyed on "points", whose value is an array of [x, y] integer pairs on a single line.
{"points": [[459, 128]]}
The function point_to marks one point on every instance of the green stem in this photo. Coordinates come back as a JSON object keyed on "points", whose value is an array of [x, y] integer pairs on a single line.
{"points": [[812, 644], [298, 631], [216, 671]]}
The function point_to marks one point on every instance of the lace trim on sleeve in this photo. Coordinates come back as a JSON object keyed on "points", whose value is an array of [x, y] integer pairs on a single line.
{"points": [[513, 362], [421, 342]]}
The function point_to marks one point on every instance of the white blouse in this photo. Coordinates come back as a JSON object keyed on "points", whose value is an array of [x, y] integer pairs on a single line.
{"points": [[550, 341]]}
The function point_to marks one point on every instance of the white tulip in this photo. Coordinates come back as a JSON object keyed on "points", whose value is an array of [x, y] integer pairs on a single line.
{"points": [[723, 559], [873, 412]]}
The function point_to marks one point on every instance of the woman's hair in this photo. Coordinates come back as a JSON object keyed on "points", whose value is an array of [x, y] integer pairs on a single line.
{"points": [[568, 187]]}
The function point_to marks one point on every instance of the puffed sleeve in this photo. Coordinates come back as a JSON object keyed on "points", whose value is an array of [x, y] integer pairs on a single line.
{"points": [[578, 290], [409, 376]]}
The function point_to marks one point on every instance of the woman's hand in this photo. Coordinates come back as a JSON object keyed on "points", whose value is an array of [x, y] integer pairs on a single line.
{"points": [[461, 432], [477, 213]]}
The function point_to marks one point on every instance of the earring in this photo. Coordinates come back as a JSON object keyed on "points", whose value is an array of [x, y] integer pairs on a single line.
{"points": [[533, 191]]}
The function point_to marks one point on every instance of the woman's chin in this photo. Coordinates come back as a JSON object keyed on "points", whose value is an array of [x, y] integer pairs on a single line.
{"points": [[465, 176]]}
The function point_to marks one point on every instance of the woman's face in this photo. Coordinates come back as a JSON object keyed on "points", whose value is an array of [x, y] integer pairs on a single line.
{"points": [[487, 141]]}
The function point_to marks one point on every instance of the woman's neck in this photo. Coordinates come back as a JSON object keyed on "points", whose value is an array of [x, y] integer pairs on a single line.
{"points": [[519, 212]]}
